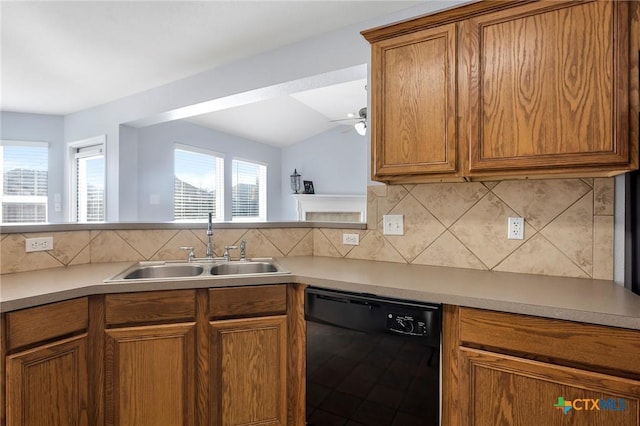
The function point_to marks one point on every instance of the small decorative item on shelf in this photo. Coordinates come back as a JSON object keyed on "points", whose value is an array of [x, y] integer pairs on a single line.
{"points": [[308, 187], [295, 181]]}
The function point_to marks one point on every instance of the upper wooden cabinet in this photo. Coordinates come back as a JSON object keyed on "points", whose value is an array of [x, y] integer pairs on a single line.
{"points": [[414, 112], [507, 89]]}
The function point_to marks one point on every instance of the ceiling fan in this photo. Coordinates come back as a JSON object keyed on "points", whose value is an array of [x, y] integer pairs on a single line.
{"points": [[361, 124]]}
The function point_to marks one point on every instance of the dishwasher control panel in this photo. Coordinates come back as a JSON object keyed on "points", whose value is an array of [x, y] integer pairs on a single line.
{"points": [[406, 324]]}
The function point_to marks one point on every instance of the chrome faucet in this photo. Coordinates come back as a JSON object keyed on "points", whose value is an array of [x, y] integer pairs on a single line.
{"points": [[210, 236]]}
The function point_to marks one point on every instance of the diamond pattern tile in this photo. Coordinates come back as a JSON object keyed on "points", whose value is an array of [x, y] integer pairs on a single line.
{"points": [[540, 201], [568, 230], [483, 230], [449, 201]]}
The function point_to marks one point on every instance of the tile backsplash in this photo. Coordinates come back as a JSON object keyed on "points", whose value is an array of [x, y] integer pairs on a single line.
{"points": [[568, 232]]}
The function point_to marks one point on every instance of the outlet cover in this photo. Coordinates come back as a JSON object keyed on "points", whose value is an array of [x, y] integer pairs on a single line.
{"points": [[393, 224], [515, 228], [38, 244], [351, 239]]}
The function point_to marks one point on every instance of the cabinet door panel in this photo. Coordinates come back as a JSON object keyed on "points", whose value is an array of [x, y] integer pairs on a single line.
{"points": [[48, 385], [414, 103], [150, 375], [502, 390], [248, 371], [549, 85]]}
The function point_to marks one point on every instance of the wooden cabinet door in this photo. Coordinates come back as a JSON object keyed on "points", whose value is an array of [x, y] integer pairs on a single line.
{"points": [[503, 390], [248, 371], [546, 86], [150, 375], [48, 385], [414, 104]]}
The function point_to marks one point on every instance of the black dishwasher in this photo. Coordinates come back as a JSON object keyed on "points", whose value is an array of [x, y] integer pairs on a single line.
{"points": [[371, 360]]}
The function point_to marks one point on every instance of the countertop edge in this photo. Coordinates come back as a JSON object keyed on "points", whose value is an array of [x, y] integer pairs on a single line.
{"points": [[345, 275]]}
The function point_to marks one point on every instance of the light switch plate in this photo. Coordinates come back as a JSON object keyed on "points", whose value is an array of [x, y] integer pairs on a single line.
{"points": [[393, 224]]}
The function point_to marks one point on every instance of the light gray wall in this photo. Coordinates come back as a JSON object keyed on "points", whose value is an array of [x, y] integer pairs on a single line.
{"points": [[40, 128], [333, 51], [336, 162], [128, 173], [155, 165]]}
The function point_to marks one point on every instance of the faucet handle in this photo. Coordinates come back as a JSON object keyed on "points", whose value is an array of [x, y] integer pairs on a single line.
{"points": [[192, 254], [226, 254]]}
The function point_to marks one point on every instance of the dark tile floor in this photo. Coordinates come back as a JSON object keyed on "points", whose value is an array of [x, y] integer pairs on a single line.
{"points": [[355, 378]]}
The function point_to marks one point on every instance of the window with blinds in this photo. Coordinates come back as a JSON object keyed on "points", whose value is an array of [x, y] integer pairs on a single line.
{"points": [[24, 181], [198, 184], [249, 191], [90, 183]]}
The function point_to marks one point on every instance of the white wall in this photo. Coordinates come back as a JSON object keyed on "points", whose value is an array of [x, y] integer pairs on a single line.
{"points": [[336, 162], [40, 128], [333, 51], [155, 165]]}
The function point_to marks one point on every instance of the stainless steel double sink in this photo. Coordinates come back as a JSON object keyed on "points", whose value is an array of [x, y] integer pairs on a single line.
{"points": [[197, 269]]}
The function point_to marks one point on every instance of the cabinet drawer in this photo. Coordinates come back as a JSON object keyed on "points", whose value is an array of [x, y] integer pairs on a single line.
{"points": [[242, 301], [152, 306], [609, 348], [33, 325]]}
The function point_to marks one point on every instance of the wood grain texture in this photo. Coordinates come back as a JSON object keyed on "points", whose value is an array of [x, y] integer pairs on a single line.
{"points": [[48, 385], [42, 323], [504, 390], [634, 82], [248, 371], [552, 88], [450, 368], [202, 357], [233, 302], [150, 375], [414, 103], [297, 354], [96, 358], [151, 306], [597, 347]]}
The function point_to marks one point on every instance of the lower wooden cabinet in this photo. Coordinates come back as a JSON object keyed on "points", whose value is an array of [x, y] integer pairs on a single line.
{"points": [[520, 370], [504, 390], [47, 385], [249, 371], [150, 375]]}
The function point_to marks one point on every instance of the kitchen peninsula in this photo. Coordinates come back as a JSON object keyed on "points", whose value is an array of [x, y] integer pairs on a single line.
{"points": [[490, 318]]}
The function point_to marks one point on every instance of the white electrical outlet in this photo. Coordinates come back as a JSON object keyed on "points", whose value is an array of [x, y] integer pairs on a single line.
{"points": [[393, 224], [38, 244], [351, 239], [515, 228]]}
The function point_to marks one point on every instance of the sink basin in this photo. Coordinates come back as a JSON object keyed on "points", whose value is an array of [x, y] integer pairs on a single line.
{"points": [[240, 267], [164, 271], [160, 270], [208, 268]]}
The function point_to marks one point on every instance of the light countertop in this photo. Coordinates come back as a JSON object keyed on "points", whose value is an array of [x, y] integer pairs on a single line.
{"points": [[576, 299]]}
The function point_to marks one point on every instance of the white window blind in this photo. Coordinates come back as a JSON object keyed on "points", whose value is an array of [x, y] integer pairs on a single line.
{"points": [[198, 184], [90, 186], [24, 181], [249, 186]]}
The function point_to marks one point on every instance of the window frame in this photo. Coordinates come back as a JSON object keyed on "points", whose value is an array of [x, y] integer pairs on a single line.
{"points": [[22, 199], [262, 201], [73, 147], [219, 184]]}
